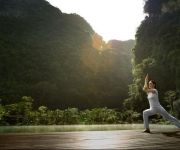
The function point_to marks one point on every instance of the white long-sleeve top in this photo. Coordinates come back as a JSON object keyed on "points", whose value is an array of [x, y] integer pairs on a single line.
{"points": [[153, 99]]}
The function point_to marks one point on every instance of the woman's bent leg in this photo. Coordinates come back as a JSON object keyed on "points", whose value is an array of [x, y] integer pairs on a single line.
{"points": [[146, 114], [169, 117]]}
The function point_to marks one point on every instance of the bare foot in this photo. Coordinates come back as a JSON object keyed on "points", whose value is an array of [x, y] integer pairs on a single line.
{"points": [[146, 131]]}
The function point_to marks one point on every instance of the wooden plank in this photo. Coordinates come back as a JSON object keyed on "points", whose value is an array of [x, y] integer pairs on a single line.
{"points": [[120, 139]]}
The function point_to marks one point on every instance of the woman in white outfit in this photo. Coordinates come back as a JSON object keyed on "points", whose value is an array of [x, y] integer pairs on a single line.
{"points": [[155, 107]]}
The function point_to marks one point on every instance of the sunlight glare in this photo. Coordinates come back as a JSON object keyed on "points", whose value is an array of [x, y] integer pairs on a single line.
{"points": [[112, 19]]}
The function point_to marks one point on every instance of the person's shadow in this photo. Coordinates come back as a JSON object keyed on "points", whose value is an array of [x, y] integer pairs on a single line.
{"points": [[175, 134]]}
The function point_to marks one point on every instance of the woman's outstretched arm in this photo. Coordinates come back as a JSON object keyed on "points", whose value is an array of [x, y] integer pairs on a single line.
{"points": [[146, 83]]}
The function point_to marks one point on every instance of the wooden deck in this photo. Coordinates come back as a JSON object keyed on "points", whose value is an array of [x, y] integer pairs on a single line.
{"points": [[117, 139]]}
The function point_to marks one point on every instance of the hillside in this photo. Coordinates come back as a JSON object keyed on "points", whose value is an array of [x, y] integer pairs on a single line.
{"points": [[50, 56]]}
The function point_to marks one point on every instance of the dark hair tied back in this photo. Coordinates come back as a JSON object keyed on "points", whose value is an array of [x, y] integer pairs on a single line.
{"points": [[153, 83]]}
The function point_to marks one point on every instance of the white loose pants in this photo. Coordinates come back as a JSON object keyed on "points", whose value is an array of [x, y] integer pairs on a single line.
{"points": [[159, 110]]}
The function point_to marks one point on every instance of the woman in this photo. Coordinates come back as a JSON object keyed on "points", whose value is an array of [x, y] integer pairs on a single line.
{"points": [[155, 107]]}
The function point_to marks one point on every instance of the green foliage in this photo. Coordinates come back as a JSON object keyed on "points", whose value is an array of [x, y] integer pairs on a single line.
{"points": [[99, 116], [71, 116], [130, 116], [170, 97], [15, 114], [2, 115], [57, 117], [176, 106], [18, 112], [173, 102]]}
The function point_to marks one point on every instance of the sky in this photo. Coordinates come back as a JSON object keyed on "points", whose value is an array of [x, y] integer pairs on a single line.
{"points": [[112, 19]]}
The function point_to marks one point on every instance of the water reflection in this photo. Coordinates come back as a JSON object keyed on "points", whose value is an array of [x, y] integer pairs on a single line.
{"points": [[70, 128], [67, 128]]}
